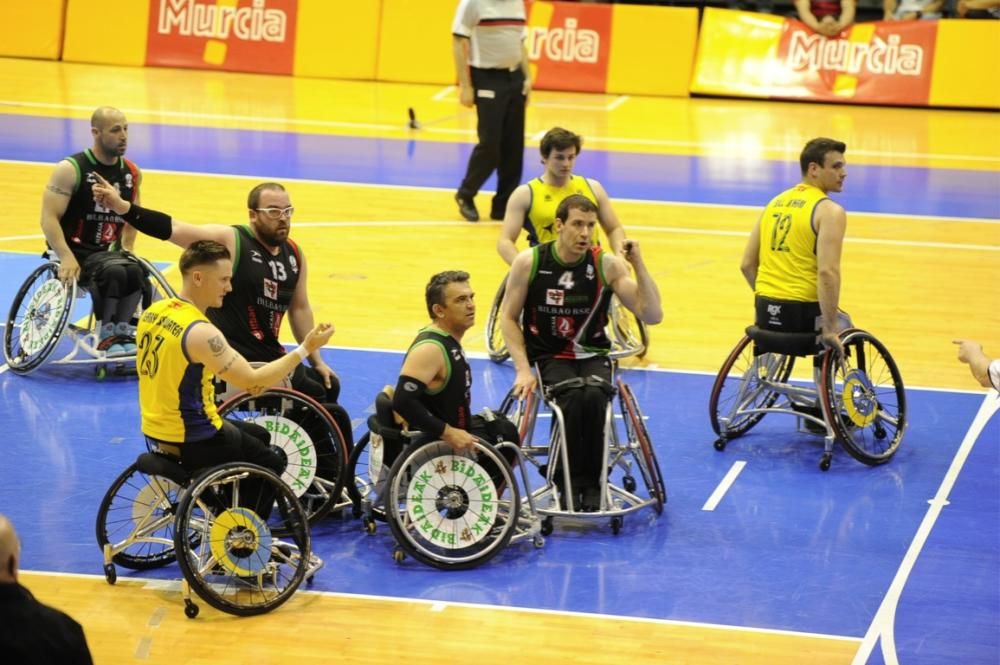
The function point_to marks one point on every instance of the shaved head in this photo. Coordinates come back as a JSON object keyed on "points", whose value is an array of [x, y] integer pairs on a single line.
{"points": [[10, 551], [103, 115]]}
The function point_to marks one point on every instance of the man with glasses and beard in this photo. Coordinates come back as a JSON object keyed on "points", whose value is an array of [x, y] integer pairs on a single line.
{"points": [[269, 281]]}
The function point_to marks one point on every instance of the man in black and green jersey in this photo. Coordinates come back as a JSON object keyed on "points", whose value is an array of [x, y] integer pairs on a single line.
{"points": [[554, 317]]}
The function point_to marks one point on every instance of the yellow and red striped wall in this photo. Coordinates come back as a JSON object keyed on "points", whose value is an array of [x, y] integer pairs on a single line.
{"points": [[608, 48]]}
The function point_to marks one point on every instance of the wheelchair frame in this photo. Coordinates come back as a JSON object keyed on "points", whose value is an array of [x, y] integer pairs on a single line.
{"points": [[850, 398], [636, 449], [50, 305]]}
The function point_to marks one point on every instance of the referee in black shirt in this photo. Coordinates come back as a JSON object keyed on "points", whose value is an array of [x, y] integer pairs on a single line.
{"points": [[492, 66]]}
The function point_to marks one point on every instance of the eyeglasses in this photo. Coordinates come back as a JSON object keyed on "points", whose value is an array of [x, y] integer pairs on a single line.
{"points": [[277, 213]]}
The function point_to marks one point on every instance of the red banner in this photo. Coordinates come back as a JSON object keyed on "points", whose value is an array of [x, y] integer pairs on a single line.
{"points": [[569, 44], [236, 35], [874, 63]]}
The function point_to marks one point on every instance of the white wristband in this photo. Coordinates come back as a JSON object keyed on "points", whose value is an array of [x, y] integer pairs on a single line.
{"points": [[302, 353]]}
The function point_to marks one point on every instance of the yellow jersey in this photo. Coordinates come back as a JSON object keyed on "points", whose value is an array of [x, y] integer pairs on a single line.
{"points": [[540, 220], [176, 396], [787, 267]]}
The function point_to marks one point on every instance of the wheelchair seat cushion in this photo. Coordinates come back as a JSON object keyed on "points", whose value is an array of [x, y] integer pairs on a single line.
{"points": [[789, 344], [155, 464]]}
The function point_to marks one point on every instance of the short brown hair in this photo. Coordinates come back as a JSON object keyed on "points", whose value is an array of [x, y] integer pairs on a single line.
{"points": [[434, 293], [575, 202], [253, 199], [815, 151], [202, 253], [558, 138]]}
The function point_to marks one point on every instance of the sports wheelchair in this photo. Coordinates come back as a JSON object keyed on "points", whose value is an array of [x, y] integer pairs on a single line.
{"points": [[40, 317], [858, 400], [231, 553], [628, 334], [306, 436], [626, 449], [448, 509]]}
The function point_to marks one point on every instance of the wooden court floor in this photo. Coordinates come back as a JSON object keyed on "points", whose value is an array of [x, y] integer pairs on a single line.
{"points": [[916, 282]]}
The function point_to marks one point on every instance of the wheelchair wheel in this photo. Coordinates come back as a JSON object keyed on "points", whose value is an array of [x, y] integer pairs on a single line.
{"points": [[635, 429], [452, 510], [159, 287], [628, 333], [863, 398], [38, 318], [136, 518], [369, 475], [309, 439], [741, 385], [521, 412], [238, 563], [494, 336]]}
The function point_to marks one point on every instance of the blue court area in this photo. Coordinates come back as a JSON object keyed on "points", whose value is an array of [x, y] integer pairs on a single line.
{"points": [[738, 179], [789, 547]]}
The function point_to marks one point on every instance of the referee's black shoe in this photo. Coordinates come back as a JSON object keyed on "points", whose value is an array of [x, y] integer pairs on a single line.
{"points": [[466, 208]]}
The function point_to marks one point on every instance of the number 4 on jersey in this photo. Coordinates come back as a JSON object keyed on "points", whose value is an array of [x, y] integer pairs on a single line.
{"points": [[566, 280]]}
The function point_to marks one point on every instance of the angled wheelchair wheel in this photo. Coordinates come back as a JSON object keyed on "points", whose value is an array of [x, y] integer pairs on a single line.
{"points": [[521, 412], [307, 436], [369, 476], [38, 318], [494, 336], [863, 398], [253, 549], [136, 517], [742, 385], [628, 333], [452, 510], [638, 437]]}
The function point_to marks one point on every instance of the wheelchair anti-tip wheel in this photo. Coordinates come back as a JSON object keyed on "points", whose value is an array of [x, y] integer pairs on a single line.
{"points": [[452, 510], [307, 436], [136, 518], [863, 398], [253, 549], [494, 336], [38, 318], [742, 385]]}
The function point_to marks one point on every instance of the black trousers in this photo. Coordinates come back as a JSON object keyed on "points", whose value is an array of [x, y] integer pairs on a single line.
{"points": [[500, 102], [583, 410], [238, 441]]}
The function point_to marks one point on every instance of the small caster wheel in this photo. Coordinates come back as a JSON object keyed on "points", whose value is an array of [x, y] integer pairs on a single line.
{"points": [[547, 526], [880, 433], [101, 372], [190, 609], [398, 555], [628, 482], [110, 574], [310, 580], [720, 444], [824, 464], [616, 525], [370, 526], [539, 542]]}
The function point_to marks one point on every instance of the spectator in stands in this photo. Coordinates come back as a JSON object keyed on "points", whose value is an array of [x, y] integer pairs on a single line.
{"points": [[910, 10], [827, 17], [978, 8]]}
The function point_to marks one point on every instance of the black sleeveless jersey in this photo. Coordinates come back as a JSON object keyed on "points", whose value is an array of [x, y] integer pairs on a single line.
{"points": [[451, 402], [87, 226], [263, 284], [566, 307]]}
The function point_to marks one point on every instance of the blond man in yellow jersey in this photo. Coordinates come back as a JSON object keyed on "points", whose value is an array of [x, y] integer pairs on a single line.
{"points": [[792, 260], [179, 352], [533, 205]]}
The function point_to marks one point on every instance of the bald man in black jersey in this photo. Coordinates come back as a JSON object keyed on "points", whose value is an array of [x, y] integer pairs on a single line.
{"points": [[559, 291]]}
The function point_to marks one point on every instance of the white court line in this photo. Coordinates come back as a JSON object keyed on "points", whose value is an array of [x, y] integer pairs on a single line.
{"points": [[617, 102], [265, 120], [438, 606], [424, 188], [885, 618], [175, 585], [724, 485], [443, 93]]}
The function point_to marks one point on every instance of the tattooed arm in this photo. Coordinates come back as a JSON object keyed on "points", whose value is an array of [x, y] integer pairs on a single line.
{"points": [[205, 344], [55, 200]]}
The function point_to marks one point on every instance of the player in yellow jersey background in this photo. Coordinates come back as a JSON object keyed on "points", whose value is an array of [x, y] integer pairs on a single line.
{"points": [[533, 205]]}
